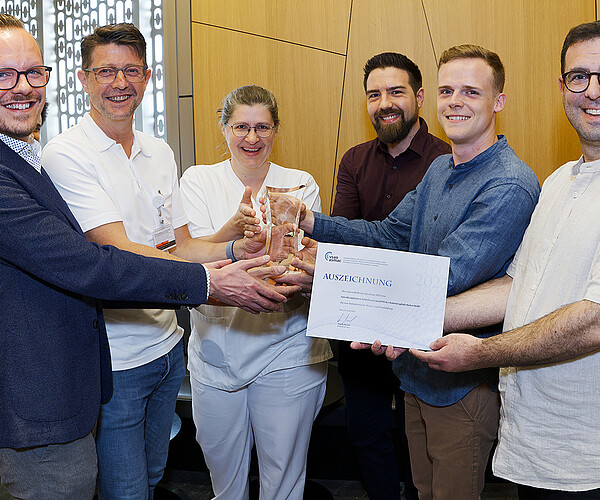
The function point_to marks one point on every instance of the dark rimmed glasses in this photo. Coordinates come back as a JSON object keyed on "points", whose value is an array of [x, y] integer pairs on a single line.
{"points": [[134, 73], [243, 129], [578, 81], [36, 76]]}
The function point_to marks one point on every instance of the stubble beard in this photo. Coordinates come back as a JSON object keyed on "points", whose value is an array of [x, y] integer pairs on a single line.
{"points": [[20, 126], [587, 134], [124, 114]]}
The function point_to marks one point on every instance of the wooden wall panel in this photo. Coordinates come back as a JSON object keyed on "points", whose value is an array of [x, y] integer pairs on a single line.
{"points": [[527, 35], [376, 27], [315, 23], [311, 54], [306, 82]]}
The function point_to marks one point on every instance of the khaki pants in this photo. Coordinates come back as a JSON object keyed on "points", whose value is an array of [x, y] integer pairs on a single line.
{"points": [[449, 445]]}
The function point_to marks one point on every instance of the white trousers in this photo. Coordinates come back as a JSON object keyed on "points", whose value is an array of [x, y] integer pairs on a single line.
{"points": [[276, 411]]}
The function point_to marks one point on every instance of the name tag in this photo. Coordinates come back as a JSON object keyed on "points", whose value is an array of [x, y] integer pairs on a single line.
{"points": [[164, 237]]}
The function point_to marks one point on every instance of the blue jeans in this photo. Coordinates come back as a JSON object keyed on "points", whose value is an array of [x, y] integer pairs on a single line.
{"points": [[134, 427]]}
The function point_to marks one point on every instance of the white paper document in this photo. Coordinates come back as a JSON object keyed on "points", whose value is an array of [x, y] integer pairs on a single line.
{"points": [[367, 294]]}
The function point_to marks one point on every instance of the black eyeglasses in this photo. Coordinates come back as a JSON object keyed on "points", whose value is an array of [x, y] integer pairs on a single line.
{"points": [[36, 76], [243, 129], [578, 81], [133, 73]]}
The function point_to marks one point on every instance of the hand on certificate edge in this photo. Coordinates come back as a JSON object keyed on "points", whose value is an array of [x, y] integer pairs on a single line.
{"points": [[390, 352], [456, 352]]}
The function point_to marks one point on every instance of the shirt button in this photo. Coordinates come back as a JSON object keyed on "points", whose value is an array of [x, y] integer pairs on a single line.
{"points": [[394, 167], [449, 186], [95, 324], [435, 217], [388, 196], [575, 194]]}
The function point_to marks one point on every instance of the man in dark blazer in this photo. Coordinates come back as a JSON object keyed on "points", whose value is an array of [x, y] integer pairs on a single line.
{"points": [[54, 360]]}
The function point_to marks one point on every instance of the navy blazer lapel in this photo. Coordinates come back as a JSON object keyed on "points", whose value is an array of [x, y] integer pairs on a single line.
{"points": [[41, 187]]}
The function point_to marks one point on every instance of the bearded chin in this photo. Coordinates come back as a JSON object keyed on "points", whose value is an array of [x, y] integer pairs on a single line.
{"points": [[393, 133]]}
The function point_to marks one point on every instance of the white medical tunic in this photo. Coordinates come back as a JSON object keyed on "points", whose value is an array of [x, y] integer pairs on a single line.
{"points": [[229, 347]]}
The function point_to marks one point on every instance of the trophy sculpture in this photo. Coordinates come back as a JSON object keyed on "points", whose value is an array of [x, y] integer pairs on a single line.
{"points": [[283, 207]]}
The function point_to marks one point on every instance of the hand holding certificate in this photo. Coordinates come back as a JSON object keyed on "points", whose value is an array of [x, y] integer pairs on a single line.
{"points": [[367, 294]]}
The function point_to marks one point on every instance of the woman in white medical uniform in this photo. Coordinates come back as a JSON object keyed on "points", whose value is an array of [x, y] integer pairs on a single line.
{"points": [[255, 378]]}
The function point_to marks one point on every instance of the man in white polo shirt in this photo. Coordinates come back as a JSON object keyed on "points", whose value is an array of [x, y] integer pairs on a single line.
{"points": [[123, 189]]}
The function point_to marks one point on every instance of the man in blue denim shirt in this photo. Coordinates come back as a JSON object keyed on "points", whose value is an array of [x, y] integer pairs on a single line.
{"points": [[472, 206]]}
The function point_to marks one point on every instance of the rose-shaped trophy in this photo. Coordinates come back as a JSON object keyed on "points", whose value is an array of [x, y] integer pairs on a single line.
{"points": [[283, 206]]}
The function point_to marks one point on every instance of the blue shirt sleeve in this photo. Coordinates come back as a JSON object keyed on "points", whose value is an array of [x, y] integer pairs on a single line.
{"points": [[393, 232], [484, 243]]}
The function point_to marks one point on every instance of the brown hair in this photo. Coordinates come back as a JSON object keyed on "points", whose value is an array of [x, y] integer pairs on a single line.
{"points": [[469, 51], [249, 95], [119, 34], [7, 22]]}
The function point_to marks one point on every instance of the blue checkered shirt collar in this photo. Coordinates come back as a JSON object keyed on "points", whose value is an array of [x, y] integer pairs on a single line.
{"points": [[24, 150]]}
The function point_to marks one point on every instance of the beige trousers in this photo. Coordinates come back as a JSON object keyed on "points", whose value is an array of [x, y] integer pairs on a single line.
{"points": [[449, 446]]}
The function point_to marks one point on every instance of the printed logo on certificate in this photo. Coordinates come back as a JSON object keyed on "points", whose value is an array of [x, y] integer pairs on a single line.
{"points": [[367, 294]]}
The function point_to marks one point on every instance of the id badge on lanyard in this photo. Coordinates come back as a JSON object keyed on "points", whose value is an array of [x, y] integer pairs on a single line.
{"points": [[164, 235]]}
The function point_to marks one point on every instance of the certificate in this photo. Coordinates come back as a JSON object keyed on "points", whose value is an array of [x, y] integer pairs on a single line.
{"points": [[367, 294]]}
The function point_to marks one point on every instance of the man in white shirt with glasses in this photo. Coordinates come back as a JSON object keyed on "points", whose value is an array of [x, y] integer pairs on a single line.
{"points": [[122, 187]]}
